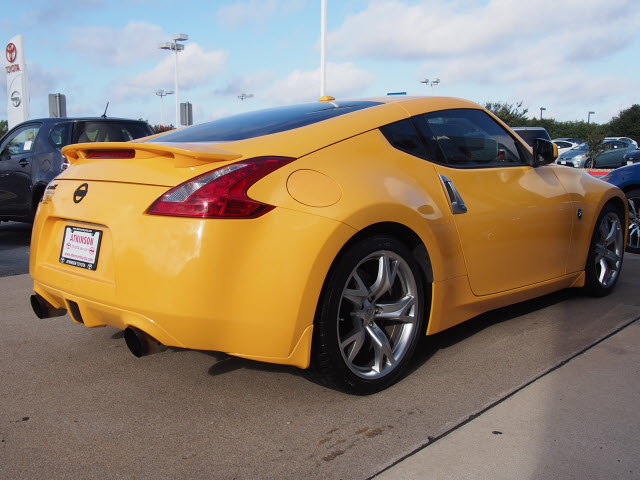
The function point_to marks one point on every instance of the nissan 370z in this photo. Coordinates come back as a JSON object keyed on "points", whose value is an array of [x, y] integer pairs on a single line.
{"points": [[330, 236]]}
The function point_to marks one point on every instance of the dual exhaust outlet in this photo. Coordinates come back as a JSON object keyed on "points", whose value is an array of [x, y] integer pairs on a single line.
{"points": [[140, 343]]}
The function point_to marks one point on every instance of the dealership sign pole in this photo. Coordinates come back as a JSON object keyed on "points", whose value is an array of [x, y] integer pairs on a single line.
{"points": [[17, 84]]}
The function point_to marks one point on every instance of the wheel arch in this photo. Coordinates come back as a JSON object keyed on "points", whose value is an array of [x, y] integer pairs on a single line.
{"points": [[618, 203], [407, 236]]}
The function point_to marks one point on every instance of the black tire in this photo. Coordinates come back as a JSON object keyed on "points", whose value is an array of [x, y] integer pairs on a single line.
{"points": [[370, 317], [606, 252], [590, 163], [633, 241]]}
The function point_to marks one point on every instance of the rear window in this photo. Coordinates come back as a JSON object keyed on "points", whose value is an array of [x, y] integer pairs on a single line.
{"points": [[262, 122], [109, 131]]}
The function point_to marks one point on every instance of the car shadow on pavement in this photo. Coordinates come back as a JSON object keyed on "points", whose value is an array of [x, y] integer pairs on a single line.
{"points": [[430, 345], [227, 364]]}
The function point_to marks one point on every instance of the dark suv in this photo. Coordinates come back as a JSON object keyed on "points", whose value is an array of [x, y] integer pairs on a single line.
{"points": [[30, 156]]}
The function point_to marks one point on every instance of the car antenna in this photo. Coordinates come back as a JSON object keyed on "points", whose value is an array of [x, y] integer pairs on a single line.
{"points": [[104, 115]]}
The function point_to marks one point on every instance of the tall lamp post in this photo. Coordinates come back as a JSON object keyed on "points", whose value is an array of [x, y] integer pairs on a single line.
{"points": [[323, 48], [176, 47], [162, 94], [542, 109], [430, 83], [243, 97], [589, 116]]}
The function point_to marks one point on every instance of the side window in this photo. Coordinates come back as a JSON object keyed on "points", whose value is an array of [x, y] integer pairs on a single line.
{"points": [[403, 136], [469, 138], [21, 141], [59, 135]]}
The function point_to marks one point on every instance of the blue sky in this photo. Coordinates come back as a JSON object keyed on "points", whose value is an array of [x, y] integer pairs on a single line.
{"points": [[569, 56]]}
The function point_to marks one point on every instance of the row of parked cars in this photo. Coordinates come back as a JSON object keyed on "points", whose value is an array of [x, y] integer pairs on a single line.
{"points": [[572, 152], [619, 153]]}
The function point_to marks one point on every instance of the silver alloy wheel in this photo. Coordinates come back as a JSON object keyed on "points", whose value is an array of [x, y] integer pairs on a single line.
{"points": [[378, 314], [634, 222], [609, 248]]}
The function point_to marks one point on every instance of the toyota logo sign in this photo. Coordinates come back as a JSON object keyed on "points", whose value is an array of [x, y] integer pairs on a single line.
{"points": [[15, 98], [12, 53]]}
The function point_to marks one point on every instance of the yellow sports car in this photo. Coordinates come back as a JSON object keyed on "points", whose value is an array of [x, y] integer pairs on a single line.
{"points": [[327, 235]]}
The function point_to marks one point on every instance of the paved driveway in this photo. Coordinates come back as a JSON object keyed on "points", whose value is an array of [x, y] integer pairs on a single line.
{"points": [[75, 403]]}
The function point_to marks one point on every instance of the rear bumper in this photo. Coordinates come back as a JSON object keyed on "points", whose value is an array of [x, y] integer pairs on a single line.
{"points": [[248, 288]]}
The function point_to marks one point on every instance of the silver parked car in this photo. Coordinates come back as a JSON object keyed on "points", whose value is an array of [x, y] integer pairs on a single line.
{"points": [[611, 157]]}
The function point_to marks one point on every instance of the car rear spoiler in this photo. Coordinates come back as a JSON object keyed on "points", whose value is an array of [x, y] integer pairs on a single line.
{"points": [[185, 154]]}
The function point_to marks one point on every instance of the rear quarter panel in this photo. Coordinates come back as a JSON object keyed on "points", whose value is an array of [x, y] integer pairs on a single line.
{"points": [[378, 184]]}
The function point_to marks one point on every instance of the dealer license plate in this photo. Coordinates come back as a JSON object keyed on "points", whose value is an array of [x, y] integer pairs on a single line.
{"points": [[81, 247]]}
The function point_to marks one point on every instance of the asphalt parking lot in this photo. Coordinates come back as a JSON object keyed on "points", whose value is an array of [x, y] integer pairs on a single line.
{"points": [[74, 403]]}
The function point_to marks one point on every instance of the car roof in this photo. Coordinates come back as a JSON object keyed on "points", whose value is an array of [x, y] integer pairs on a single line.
{"points": [[50, 121], [78, 119], [529, 128], [288, 142]]}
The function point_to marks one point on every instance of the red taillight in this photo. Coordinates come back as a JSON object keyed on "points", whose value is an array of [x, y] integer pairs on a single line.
{"points": [[220, 193], [111, 154]]}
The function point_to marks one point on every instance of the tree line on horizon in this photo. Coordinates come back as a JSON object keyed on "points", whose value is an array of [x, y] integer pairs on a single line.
{"points": [[625, 124]]}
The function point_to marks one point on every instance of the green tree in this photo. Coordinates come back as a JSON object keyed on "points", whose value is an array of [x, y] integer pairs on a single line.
{"points": [[596, 147], [512, 114], [626, 124], [3, 127]]}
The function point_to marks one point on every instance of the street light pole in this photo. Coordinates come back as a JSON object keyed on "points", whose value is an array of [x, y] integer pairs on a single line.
{"points": [[323, 47], [541, 110], [430, 83], [589, 116], [243, 97], [176, 47], [162, 94]]}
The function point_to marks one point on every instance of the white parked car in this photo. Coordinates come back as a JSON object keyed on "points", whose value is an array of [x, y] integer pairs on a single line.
{"points": [[565, 144]]}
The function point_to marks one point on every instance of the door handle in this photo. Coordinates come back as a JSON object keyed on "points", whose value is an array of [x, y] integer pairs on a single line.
{"points": [[455, 199], [24, 162]]}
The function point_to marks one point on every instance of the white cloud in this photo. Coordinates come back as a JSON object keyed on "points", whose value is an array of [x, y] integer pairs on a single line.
{"points": [[439, 28], [248, 83], [241, 14], [196, 67], [343, 79], [541, 52], [136, 41]]}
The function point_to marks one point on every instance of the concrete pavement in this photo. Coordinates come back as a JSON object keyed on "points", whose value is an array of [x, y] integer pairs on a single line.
{"points": [[75, 404], [579, 421]]}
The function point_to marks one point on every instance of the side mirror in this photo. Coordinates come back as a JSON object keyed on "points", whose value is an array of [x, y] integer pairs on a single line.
{"points": [[544, 152]]}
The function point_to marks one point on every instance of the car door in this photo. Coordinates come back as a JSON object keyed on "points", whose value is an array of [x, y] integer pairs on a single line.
{"points": [[16, 155], [606, 158], [514, 221]]}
